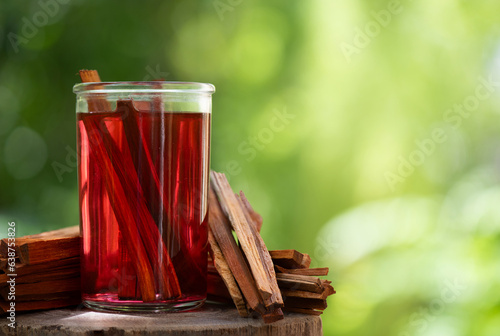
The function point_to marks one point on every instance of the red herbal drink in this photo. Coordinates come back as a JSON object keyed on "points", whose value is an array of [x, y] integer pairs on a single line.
{"points": [[143, 182]]}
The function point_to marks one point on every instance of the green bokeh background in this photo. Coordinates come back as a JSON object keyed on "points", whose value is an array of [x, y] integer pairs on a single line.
{"points": [[409, 225]]}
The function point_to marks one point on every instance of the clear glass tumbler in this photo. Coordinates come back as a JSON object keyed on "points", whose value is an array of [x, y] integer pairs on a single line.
{"points": [[143, 171]]}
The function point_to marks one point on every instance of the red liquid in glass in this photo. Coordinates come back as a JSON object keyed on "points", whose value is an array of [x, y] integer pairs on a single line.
{"points": [[130, 158]]}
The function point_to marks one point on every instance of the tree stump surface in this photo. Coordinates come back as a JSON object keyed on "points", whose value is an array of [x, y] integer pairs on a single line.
{"points": [[212, 319]]}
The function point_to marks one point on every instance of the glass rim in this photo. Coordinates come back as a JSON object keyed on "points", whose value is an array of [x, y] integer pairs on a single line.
{"points": [[144, 87]]}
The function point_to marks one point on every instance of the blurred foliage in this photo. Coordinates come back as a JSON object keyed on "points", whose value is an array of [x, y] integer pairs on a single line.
{"points": [[365, 83]]}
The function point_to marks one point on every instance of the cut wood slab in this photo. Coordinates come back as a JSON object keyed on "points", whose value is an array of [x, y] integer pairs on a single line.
{"points": [[273, 315], [304, 271], [41, 304], [43, 288], [231, 207], [226, 275], [305, 294], [49, 275], [209, 320], [4, 264], [68, 296], [256, 217], [290, 259], [303, 311], [300, 282], [221, 229], [23, 270], [69, 232], [34, 251], [266, 260], [295, 302]]}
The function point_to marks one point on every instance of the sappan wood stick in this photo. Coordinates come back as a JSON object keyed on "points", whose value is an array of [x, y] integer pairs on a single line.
{"points": [[264, 255], [237, 218], [221, 229], [226, 275], [303, 271]]}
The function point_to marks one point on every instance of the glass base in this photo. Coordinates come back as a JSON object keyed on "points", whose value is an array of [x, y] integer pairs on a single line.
{"points": [[143, 307]]}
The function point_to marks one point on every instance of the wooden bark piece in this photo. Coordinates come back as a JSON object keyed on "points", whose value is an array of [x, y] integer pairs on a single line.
{"points": [[36, 251], [4, 263], [42, 304], [226, 275], [304, 271], [48, 275], [69, 232], [329, 288], [46, 288], [306, 261], [290, 259], [221, 230], [256, 217], [95, 104], [297, 302], [266, 259], [273, 315], [305, 294], [303, 311], [300, 282], [237, 218], [23, 270]]}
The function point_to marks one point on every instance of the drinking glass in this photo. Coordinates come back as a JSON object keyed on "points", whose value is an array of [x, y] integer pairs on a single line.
{"points": [[143, 171]]}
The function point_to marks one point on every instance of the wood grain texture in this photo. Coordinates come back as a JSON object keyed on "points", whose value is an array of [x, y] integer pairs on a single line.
{"points": [[35, 251], [305, 294], [68, 232], [221, 229], [41, 304], [49, 275], [226, 275], [24, 270], [300, 282], [297, 302], [232, 209], [94, 104], [322, 271], [265, 257], [46, 288], [256, 217], [304, 311], [210, 320], [290, 259]]}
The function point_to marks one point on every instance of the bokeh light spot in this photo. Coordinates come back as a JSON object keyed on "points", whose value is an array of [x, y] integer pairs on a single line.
{"points": [[25, 153]]}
